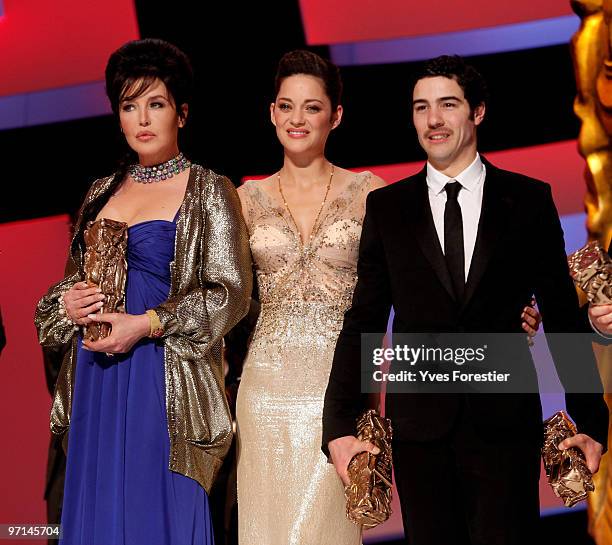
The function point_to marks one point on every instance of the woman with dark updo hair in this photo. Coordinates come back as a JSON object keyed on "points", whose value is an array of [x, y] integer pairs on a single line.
{"points": [[148, 419], [304, 224]]}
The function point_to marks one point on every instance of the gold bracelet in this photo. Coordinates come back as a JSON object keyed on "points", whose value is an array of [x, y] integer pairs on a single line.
{"points": [[156, 328]]}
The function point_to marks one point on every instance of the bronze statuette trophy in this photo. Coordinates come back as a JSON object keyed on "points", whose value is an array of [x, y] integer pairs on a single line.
{"points": [[106, 267]]}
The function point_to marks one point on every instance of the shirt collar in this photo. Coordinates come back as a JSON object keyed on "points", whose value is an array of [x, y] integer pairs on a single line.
{"points": [[469, 178]]}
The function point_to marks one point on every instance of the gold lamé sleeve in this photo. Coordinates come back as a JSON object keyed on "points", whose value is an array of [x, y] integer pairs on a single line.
{"points": [[206, 313], [51, 330]]}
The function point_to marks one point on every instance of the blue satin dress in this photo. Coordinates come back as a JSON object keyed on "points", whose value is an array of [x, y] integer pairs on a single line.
{"points": [[119, 490]]}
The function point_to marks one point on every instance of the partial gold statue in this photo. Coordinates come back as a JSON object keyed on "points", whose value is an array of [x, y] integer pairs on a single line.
{"points": [[592, 54]]}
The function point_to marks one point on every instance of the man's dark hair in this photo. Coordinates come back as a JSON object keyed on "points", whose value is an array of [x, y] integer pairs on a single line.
{"points": [[454, 67]]}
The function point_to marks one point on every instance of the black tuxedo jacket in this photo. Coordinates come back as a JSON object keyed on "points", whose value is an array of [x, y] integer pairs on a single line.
{"points": [[519, 251]]}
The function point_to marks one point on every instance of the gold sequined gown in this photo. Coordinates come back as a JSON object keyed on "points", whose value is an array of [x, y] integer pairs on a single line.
{"points": [[287, 492]]}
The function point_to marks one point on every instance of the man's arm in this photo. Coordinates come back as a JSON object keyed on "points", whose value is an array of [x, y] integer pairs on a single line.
{"points": [[600, 320], [369, 313], [558, 303]]}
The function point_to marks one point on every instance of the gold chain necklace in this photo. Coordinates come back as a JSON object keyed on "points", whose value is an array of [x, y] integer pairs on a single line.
{"points": [[314, 224]]}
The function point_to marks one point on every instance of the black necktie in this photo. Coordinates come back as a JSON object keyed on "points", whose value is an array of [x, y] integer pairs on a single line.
{"points": [[453, 239]]}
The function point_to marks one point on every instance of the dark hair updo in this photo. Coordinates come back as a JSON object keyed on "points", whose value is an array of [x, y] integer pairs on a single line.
{"points": [[137, 64], [130, 71], [310, 64]]}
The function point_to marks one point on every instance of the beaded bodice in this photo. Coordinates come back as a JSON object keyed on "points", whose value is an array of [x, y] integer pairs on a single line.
{"points": [[323, 270]]}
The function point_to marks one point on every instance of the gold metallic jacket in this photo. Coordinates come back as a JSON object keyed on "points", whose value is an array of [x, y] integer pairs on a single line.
{"points": [[211, 281]]}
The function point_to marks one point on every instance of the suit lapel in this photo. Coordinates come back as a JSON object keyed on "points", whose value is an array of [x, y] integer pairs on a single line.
{"points": [[422, 225], [493, 214]]}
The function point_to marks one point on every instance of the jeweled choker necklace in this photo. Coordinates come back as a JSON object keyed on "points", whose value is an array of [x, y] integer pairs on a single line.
{"points": [[157, 173]]}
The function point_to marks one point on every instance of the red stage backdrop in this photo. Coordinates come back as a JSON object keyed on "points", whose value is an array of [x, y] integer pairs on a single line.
{"points": [[358, 20], [47, 44], [32, 256]]}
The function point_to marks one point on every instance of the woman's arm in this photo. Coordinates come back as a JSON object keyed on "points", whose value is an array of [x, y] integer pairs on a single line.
{"points": [[53, 327], [205, 314]]}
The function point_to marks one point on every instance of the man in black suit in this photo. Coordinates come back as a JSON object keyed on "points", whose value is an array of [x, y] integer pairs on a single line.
{"points": [[461, 247]]}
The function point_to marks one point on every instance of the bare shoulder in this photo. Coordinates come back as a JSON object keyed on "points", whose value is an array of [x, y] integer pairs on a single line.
{"points": [[376, 182], [256, 191], [373, 182], [266, 185], [365, 179]]}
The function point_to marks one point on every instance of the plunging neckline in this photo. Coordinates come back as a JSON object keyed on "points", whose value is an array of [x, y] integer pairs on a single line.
{"points": [[190, 180], [282, 212]]}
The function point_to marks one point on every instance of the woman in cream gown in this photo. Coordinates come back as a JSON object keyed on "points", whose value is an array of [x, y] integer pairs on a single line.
{"points": [[304, 225]]}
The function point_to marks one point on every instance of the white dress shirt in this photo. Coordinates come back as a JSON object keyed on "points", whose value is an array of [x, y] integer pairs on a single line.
{"points": [[470, 200]]}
